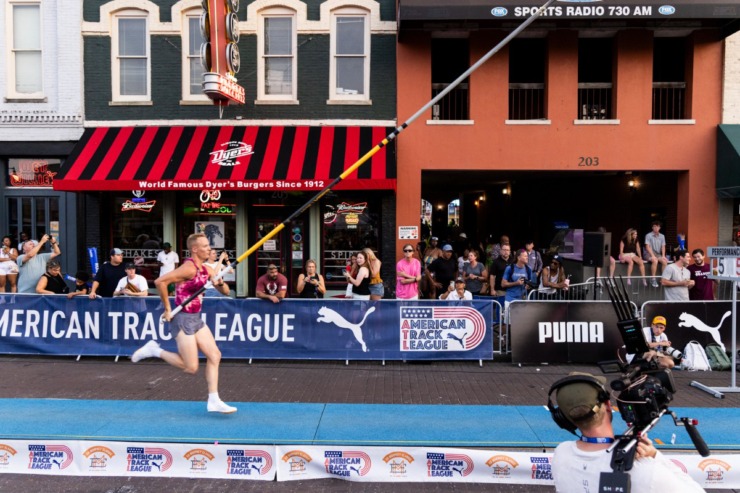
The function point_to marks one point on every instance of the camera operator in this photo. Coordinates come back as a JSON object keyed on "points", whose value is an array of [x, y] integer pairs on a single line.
{"points": [[660, 347], [583, 401]]}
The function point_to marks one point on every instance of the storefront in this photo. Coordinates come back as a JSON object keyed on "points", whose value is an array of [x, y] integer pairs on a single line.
{"points": [[235, 184]]}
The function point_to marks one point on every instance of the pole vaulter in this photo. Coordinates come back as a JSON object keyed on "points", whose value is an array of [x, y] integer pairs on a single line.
{"points": [[369, 154]]}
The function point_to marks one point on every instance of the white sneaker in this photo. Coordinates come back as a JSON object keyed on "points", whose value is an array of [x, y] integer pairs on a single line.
{"points": [[654, 283], [148, 350], [220, 407]]}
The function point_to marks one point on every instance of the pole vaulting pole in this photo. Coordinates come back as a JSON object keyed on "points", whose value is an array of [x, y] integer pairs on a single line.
{"points": [[371, 152]]}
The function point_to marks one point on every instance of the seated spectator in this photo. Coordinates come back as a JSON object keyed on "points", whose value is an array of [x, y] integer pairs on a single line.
{"points": [[133, 284], [81, 286], [458, 292], [52, 282], [553, 280]]}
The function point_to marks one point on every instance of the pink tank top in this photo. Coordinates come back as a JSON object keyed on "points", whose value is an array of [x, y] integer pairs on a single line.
{"points": [[187, 288]]}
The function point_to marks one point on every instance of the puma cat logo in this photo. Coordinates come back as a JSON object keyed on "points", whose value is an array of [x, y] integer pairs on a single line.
{"points": [[329, 316], [689, 320]]}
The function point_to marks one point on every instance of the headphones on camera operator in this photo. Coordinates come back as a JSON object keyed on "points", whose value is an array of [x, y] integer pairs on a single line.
{"points": [[557, 415]]}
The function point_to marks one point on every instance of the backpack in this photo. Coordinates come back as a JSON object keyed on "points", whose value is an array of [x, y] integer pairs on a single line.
{"points": [[510, 270], [718, 359], [695, 358]]}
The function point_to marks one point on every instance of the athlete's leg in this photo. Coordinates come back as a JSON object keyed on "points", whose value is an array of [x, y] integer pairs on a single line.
{"points": [[207, 345]]}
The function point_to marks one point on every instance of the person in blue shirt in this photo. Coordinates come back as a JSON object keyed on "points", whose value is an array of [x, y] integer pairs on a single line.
{"points": [[518, 278]]}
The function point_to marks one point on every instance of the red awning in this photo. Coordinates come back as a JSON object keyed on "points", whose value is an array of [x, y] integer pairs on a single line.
{"points": [[227, 158]]}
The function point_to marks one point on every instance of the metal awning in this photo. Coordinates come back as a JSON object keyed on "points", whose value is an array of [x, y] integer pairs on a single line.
{"points": [[728, 161], [721, 14]]}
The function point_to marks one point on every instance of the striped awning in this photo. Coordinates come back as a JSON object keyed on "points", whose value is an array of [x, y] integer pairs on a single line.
{"points": [[227, 158]]}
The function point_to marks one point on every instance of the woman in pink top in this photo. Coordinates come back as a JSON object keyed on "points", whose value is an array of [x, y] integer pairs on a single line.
{"points": [[408, 275]]}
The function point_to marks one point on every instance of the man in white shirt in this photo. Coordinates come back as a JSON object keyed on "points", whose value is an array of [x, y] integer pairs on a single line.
{"points": [[676, 279], [583, 405], [654, 251], [168, 261], [133, 284], [456, 291]]}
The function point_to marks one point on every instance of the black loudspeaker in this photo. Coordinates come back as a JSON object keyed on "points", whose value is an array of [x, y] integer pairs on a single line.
{"points": [[596, 249]]}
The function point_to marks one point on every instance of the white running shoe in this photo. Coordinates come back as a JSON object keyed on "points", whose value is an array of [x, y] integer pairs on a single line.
{"points": [[146, 351], [220, 407]]}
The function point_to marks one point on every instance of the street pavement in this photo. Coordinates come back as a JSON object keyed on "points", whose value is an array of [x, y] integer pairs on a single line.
{"points": [[493, 383]]}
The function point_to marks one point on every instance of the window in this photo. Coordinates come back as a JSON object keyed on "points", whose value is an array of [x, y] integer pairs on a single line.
{"points": [[277, 61], [450, 58], [192, 69], [527, 59], [669, 79], [594, 79], [131, 80], [350, 57], [24, 70]]}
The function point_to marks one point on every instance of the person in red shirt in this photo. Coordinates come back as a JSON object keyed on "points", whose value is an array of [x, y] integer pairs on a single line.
{"points": [[272, 286], [703, 286]]}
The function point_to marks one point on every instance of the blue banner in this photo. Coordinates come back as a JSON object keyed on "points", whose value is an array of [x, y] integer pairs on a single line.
{"points": [[252, 328], [92, 255]]}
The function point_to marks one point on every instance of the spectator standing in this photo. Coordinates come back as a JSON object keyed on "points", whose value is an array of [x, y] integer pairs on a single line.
{"points": [[132, 284], [703, 288], [443, 271], [377, 290], [108, 275], [534, 259], [216, 265], [655, 251], [408, 275], [32, 263], [432, 252], [496, 250], [168, 261], [676, 278], [272, 285], [311, 283], [23, 238], [498, 267], [553, 279], [474, 273], [8, 265], [629, 253], [456, 292], [360, 279], [52, 282], [518, 277]]}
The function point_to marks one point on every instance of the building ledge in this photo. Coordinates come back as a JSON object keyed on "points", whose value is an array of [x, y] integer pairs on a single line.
{"points": [[450, 122], [596, 122], [528, 122], [671, 122]]}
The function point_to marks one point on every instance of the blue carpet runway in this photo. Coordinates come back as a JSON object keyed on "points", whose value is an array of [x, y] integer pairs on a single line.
{"points": [[320, 424]]}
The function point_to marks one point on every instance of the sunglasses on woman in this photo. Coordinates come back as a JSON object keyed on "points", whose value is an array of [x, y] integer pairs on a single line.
{"points": [[407, 250]]}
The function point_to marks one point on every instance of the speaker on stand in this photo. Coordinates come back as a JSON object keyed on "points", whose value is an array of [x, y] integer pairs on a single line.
{"points": [[596, 251]]}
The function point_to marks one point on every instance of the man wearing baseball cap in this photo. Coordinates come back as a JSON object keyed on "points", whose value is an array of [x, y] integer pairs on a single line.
{"points": [[108, 275], [443, 270], [133, 284], [657, 342], [583, 408]]}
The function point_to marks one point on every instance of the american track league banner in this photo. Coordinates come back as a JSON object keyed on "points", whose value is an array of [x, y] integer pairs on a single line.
{"points": [[252, 328]]}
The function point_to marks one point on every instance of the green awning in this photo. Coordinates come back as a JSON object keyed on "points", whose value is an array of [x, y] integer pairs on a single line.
{"points": [[728, 161]]}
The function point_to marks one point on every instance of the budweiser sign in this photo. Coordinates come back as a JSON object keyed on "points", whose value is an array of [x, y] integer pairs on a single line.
{"points": [[138, 206]]}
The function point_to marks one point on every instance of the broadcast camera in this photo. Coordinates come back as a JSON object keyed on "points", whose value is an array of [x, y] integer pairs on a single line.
{"points": [[645, 389]]}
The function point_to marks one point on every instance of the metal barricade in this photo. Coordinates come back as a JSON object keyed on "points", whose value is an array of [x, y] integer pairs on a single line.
{"points": [[575, 292]]}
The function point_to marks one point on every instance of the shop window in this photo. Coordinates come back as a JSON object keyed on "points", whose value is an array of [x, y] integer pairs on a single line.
{"points": [[350, 56], [527, 60], [450, 58], [669, 79], [130, 57], [192, 68], [136, 228], [25, 74], [276, 65], [595, 79], [349, 226]]}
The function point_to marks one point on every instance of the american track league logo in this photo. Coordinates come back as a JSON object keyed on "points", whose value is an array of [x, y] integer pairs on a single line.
{"points": [[398, 463], [715, 470], [148, 459], [230, 153], [49, 457], [98, 457], [541, 468], [6, 453], [297, 461], [198, 459], [442, 465], [242, 462], [501, 466], [450, 328], [344, 463]]}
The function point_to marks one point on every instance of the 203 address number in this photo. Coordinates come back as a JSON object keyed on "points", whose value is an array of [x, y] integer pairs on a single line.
{"points": [[588, 161]]}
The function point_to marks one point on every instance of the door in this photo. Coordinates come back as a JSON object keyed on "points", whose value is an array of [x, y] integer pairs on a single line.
{"points": [[285, 250]]}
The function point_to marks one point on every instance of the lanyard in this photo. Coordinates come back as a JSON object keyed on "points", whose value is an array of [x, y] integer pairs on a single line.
{"points": [[597, 439]]}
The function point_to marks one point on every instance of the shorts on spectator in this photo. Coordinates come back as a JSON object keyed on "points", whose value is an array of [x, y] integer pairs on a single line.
{"points": [[377, 289]]}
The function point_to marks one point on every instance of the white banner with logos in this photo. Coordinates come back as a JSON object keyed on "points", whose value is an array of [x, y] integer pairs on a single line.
{"points": [[171, 460], [299, 462]]}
